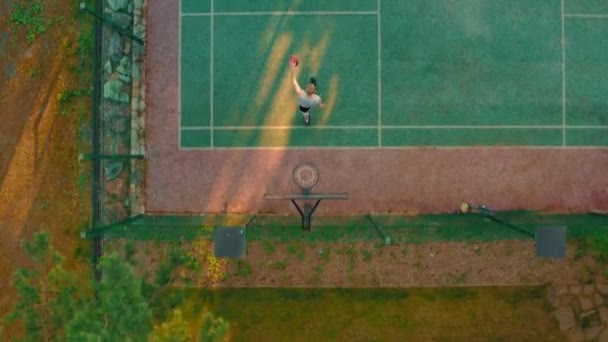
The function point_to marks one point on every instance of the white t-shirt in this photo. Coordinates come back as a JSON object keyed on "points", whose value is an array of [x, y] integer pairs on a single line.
{"points": [[308, 101]]}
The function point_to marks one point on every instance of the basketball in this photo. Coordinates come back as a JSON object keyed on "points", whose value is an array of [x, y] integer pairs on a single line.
{"points": [[293, 59]]}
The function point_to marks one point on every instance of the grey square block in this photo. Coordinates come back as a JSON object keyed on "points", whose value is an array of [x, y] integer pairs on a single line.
{"points": [[229, 242], [551, 242]]}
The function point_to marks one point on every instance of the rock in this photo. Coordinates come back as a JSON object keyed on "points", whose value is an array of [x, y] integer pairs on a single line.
{"points": [[598, 300], [603, 288], [135, 92], [115, 47], [138, 4], [124, 61], [112, 169], [112, 90], [111, 87], [119, 124], [591, 333], [125, 79], [121, 19], [565, 317], [560, 290], [135, 73], [108, 68], [138, 31], [588, 290], [111, 112], [576, 335], [123, 97], [586, 303], [603, 311], [117, 5], [138, 50], [576, 289]]}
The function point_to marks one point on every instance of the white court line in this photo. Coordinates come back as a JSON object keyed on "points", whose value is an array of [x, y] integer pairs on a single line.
{"points": [[379, 78], [211, 40], [371, 148], [228, 128], [582, 15], [245, 128], [179, 78], [276, 13], [563, 77], [430, 127], [419, 127]]}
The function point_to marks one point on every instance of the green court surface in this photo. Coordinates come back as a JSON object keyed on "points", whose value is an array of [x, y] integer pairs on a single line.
{"points": [[395, 73]]}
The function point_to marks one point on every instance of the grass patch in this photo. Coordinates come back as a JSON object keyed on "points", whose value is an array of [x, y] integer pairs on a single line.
{"points": [[366, 255], [243, 268], [316, 276], [447, 314], [269, 247], [278, 265], [30, 15], [325, 254], [296, 249]]}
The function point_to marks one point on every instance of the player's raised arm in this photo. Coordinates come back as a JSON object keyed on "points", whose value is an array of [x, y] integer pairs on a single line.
{"points": [[294, 73]]}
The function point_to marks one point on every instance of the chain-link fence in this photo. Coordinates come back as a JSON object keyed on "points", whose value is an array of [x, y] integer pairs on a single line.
{"points": [[112, 139]]}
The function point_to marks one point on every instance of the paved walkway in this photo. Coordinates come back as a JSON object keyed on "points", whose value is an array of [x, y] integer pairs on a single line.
{"points": [[581, 311]]}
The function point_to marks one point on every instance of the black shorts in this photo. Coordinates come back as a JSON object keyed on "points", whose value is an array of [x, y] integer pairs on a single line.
{"points": [[304, 109]]}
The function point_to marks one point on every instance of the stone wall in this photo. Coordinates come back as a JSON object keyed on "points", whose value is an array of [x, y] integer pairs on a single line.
{"points": [[122, 109]]}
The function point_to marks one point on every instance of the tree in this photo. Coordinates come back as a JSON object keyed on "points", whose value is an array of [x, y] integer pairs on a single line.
{"points": [[47, 294], [120, 314], [57, 304]]}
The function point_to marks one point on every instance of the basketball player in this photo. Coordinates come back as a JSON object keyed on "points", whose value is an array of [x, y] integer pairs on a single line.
{"points": [[307, 99]]}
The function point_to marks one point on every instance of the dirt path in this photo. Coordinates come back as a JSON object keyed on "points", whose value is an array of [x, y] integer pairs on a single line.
{"points": [[38, 145]]}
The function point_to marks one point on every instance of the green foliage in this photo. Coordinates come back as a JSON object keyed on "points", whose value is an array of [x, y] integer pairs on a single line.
{"points": [[596, 246], [121, 312], [54, 305], [214, 329], [366, 255], [39, 248], [279, 265], [269, 247], [243, 268], [29, 14], [297, 249], [47, 294], [130, 251], [175, 329], [68, 95]]}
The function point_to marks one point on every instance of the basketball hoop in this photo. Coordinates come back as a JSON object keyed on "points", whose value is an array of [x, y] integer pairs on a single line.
{"points": [[306, 176]]}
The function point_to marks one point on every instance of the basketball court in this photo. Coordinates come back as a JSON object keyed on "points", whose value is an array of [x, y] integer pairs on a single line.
{"points": [[428, 104]]}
